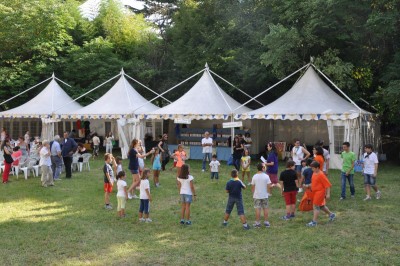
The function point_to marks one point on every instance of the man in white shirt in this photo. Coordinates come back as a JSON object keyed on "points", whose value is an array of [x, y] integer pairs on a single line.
{"points": [[207, 144], [370, 172], [96, 145], [260, 184]]}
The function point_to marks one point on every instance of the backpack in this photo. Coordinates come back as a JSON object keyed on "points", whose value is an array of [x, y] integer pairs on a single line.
{"points": [[306, 203]]}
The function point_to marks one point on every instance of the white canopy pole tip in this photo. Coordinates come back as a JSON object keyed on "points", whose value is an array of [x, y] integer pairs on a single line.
{"points": [[122, 71], [206, 66], [53, 76]]}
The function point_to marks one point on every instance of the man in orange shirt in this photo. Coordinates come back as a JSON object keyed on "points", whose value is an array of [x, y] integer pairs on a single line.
{"points": [[321, 190]]}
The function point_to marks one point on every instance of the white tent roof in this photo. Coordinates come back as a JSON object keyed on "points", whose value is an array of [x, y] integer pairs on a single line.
{"points": [[310, 98], [44, 104], [205, 100], [122, 99], [91, 8]]}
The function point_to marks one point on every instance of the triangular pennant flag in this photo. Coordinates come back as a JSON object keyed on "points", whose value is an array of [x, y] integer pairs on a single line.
{"points": [[301, 116], [283, 117], [319, 116]]}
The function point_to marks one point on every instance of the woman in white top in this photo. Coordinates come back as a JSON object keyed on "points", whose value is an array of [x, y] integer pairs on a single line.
{"points": [[109, 140]]}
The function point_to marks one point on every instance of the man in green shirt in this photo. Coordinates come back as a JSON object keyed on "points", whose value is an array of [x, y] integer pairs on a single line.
{"points": [[347, 170]]}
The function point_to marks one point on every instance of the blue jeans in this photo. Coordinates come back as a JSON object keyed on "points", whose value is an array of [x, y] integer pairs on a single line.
{"points": [[205, 155], [56, 166], [350, 178], [236, 163]]}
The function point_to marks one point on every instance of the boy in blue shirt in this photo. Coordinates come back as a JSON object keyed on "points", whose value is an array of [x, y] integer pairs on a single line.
{"points": [[234, 188]]}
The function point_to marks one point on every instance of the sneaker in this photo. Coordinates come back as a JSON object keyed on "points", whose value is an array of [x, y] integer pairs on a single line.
{"points": [[352, 196], [367, 198], [129, 195], [300, 190], [203, 170], [332, 217], [257, 225], [311, 224], [248, 184], [188, 223], [378, 194], [269, 195], [285, 218], [342, 198], [247, 227], [292, 216], [182, 222], [134, 196], [142, 220], [57, 179], [148, 220], [266, 224], [108, 207]]}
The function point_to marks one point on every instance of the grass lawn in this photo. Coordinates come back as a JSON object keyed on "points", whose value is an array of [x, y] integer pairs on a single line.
{"points": [[68, 225]]}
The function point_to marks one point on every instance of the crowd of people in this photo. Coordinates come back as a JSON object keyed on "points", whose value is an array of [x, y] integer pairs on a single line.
{"points": [[305, 172]]}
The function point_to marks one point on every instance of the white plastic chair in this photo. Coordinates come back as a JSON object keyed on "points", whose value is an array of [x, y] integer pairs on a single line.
{"points": [[29, 167], [85, 162], [75, 163]]}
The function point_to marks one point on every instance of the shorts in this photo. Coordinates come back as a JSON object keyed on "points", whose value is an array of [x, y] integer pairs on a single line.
{"points": [[214, 175], [290, 197], [157, 168], [121, 203], [185, 198], [134, 172], [369, 180], [231, 203], [245, 170], [298, 168], [108, 187], [144, 206], [273, 178], [261, 203]]}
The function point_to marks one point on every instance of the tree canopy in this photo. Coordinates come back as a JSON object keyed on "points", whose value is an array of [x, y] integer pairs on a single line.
{"points": [[252, 43]]}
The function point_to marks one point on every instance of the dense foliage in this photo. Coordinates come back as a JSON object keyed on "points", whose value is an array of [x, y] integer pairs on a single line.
{"points": [[252, 43]]}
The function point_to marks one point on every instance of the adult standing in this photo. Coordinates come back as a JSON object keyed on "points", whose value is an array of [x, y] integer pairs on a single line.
{"points": [[45, 164], [109, 142], [96, 145], [347, 170], [27, 138], [3, 134], [299, 153], [163, 146], [272, 166], [238, 149], [56, 158], [207, 143], [8, 160], [327, 157], [68, 148], [23, 146], [133, 156]]}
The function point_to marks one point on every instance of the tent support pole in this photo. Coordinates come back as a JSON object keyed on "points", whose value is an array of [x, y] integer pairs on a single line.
{"points": [[258, 95], [159, 95], [74, 100], [235, 87], [147, 88], [25, 91]]}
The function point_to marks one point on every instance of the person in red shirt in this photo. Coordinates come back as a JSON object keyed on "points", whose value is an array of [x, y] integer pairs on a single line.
{"points": [[321, 190]]}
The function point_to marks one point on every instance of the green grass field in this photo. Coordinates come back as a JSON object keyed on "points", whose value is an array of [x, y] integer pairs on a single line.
{"points": [[68, 225]]}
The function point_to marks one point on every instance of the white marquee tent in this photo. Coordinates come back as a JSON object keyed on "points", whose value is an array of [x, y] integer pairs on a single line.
{"points": [[311, 99], [44, 106], [117, 104], [205, 100]]}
